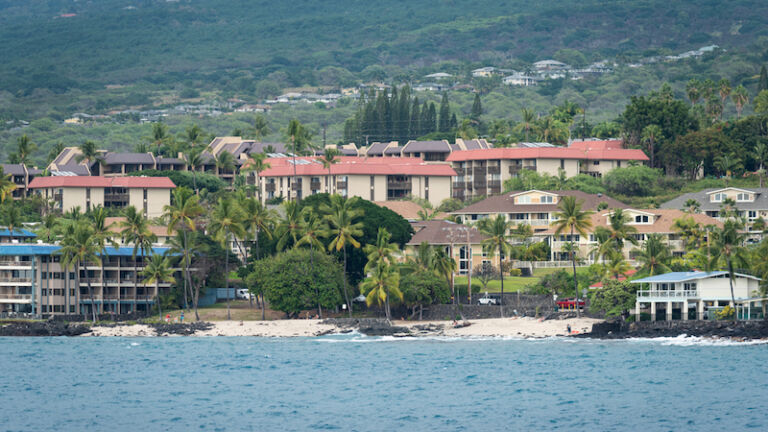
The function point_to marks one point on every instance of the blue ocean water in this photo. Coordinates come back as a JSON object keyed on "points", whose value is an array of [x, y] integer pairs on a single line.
{"points": [[354, 382]]}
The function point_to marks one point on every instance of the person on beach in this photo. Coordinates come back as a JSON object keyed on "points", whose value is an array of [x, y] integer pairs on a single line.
{"points": [[168, 318], [181, 317], [569, 329]]}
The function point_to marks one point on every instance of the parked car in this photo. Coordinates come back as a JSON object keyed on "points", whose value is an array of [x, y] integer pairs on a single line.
{"points": [[242, 294], [486, 300]]}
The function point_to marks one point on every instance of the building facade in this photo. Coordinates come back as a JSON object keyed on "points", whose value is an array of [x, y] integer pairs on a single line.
{"points": [[33, 281], [749, 203], [147, 194], [462, 242]]}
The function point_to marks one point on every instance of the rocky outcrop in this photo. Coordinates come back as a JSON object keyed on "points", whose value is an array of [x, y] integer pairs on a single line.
{"points": [[748, 330], [369, 326], [42, 328], [179, 329]]}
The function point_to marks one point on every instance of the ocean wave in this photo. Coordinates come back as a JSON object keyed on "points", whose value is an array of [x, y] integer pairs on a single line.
{"points": [[685, 340]]}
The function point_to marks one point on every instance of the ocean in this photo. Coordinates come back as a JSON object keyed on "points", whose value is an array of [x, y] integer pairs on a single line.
{"points": [[358, 383]]}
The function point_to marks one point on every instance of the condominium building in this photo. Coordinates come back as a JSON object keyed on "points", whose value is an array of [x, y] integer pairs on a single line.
{"points": [[429, 151], [533, 207], [33, 281], [146, 194], [21, 175], [644, 221], [374, 179], [483, 172]]}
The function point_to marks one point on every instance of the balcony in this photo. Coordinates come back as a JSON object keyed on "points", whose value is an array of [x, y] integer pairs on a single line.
{"points": [[314, 185], [116, 197], [459, 171], [667, 295], [399, 185], [341, 185], [480, 171], [494, 170], [15, 298], [15, 279], [494, 184], [538, 222], [269, 187], [9, 263], [296, 186]]}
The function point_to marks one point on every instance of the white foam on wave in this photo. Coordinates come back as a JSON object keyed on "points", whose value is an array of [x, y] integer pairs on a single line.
{"points": [[685, 340]]}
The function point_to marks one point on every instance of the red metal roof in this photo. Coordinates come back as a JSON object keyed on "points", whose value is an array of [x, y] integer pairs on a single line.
{"points": [[605, 153], [96, 182], [351, 165], [597, 144]]}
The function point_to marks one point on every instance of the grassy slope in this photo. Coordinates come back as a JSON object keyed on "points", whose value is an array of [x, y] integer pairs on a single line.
{"points": [[512, 283]]}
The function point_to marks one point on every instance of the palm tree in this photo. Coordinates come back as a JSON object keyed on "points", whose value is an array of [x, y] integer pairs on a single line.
{"points": [[194, 136], [195, 161], [136, 231], [103, 238], [724, 89], [654, 256], [182, 214], [761, 156], [328, 159], [572, 218], [616, 266], [444, 265], [260, 127], [620, 230], [340, 216], [7, 186], [227, 218], [11, 218], [691, 206], [424, 258], [727, 164], [727, 247], [651, 135], [90, 154], [256, 163], [740, 98], [693, 90], [157, 270], [528, 121], [257, 219], [224, 161], [690, 232], [383, 282], [79, 247], [288, 228], [159, 135], [24, 148], [497, 241], [313, 229]]}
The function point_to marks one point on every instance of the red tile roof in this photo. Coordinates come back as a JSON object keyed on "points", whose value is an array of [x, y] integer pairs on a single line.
{"points": [[350, 165], [96, 182], [604, 153]]}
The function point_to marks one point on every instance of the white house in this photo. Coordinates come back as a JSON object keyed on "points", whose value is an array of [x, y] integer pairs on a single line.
{"points": [[519, 79], [690, 295]]}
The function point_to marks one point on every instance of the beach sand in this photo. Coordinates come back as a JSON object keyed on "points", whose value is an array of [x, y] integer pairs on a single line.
{"points": [[496, 327]]}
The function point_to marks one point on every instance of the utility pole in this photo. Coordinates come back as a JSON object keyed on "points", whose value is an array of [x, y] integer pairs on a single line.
{"points": [[325, 126], [293, 186]]}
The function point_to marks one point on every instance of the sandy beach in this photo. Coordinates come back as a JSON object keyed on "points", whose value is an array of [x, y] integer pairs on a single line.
{"points": [[497, 327]]}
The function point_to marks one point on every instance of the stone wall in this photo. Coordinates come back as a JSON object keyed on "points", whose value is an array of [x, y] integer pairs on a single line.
{"points": [[101, 317]]}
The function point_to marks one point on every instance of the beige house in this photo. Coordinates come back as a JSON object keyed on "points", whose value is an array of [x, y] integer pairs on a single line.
{"points": [[647, 221], [533, 207], [374, 179], [146, 194], [465, 241], [483, 172]]}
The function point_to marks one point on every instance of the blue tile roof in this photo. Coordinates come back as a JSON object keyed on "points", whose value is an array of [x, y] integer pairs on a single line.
{"points": [[11, 249], [685, 276], [17, 232]]}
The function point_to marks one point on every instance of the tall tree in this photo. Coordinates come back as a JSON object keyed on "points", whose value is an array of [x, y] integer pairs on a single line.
{"points": [[762, 82], [571, 218], [498, 242], [288, 228], [444, 121], [135, 231], [477, 110], [226, 221], [654, 256], [313, 228], [7, 186], [90, 154], [10, 216], [257, 219], [693, 90], [103, 236], [260, 127], [182, 216], [760, 153], [24, 149], [651, 135], [79, 247], [343, 230], [194, 160], [724, 90], [257, 164], [156, 271], [728, 250], [740, 98], [328, 159], [194, 136], [383, 280]]}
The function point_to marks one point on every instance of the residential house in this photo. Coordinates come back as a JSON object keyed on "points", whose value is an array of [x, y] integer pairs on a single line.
{"points": [[750, 203], [484, 72], [409, 210], [550, 65], [696, 295], [19, 235], [146, 194], [519, 79], [20, 175], [462, 242], [375, 179], [532, 207]]}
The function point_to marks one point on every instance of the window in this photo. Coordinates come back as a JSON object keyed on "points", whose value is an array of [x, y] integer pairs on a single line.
{"points": [[641, 219], [524, 199], [547, 199], [742, 197], [562, 163], [718, 197], [595, 162], [752, 214]]}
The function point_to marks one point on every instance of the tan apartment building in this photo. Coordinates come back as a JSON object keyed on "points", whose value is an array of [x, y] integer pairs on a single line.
{"points": [[374, 179], [533, 207], [645, 221], [146, 194], [429, 151], [483, 172], [33, 281]]}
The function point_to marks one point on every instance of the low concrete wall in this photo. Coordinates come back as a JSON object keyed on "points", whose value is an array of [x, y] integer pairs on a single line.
{"points": [[101, 317]]}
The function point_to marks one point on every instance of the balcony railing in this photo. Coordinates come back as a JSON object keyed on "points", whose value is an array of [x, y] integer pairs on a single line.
{"points": [[667, 294], [116, 197], [15, 279], [269, 187], [496, 184], [341, 185], [315, 185], [538, 222], [494, 170], [16, 263], [398, 185], [27, 297]]}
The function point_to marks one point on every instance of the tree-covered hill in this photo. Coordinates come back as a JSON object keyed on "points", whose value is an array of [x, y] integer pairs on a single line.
{"points": [[59, 45]]}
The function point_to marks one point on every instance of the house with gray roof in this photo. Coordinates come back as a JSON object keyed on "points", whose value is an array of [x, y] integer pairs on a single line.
{"points": [[430, 151], [750, 203], [21, 175]]}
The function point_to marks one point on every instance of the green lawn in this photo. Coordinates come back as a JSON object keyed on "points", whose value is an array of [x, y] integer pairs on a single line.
{"points": [[512, 283]]}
